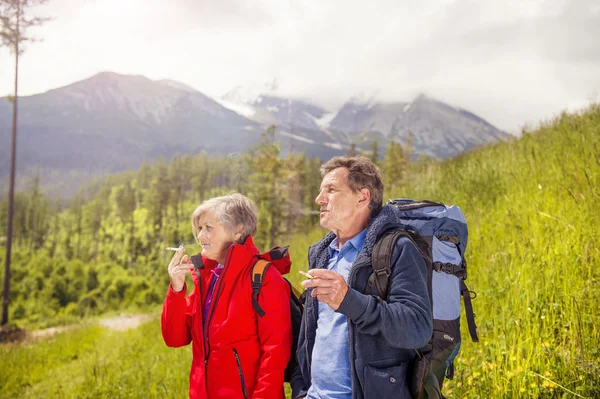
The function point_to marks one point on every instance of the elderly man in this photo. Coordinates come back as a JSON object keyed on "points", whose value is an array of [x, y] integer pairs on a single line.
{"points": [[353, 344]]}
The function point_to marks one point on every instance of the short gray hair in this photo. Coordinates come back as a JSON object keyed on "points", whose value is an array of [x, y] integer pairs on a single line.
{"points": [[231, 211], [362, 173]]}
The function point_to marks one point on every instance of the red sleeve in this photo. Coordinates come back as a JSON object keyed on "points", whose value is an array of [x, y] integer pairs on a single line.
{"points": [[176, 317], [275, 334]]}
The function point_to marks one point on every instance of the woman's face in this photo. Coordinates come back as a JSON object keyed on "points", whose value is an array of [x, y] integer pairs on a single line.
{"points": [[214, 238]]}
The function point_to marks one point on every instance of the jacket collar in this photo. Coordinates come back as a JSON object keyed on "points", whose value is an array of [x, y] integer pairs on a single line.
{"points": [[240, 255], [386, 219], [237, 256]]}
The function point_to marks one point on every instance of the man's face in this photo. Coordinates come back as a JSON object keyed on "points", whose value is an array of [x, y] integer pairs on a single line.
{"points": [[338, 204]]}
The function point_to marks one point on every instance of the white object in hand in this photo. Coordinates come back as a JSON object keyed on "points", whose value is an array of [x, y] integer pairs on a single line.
{"points": [[305, 273], [172, 249]]}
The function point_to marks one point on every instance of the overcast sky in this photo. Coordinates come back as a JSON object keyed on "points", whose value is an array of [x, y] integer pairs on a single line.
{"points": [[511, 62]]}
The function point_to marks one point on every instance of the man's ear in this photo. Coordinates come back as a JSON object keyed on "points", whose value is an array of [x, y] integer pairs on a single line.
{"points": [[364, 198]]}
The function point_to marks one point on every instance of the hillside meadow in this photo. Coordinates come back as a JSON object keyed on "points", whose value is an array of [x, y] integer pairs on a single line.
{"points": [[533, 260]]}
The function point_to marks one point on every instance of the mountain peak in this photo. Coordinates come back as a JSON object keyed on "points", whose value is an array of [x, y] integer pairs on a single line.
{"points": [[109, 76], [132, 97], [177, 85], [251, 93]]}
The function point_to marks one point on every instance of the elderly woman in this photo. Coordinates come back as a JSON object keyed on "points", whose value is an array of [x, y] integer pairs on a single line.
{"points": [[236, 353]]}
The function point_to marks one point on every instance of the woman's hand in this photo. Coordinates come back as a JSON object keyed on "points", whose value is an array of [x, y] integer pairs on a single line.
{"points": [[179, 267]]}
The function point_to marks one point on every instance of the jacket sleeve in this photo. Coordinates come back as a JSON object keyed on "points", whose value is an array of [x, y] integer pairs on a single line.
{"points": [[275, 335], [176, 317], [404, 320], [297, 382]]}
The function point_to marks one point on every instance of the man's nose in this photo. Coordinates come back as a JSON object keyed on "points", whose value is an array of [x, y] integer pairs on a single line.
{"points": [[320, 199]]}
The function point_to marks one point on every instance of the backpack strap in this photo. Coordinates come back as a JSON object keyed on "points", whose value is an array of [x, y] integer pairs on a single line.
{"points": [[450, 268], [381, 259], [198, 264], [466, 294], [257, 275]]}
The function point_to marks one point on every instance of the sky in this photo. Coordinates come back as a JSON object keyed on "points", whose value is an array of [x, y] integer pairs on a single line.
{"points": [[512, 62]]}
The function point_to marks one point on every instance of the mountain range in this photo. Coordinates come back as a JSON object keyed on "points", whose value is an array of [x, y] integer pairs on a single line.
{"points": [[112, 122]]}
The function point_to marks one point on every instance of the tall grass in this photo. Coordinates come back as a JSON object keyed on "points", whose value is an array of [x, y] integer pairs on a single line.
{"points": [[533, 253]]}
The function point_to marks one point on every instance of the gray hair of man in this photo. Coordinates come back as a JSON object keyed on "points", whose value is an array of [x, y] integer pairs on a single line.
{"points": [[362, 173], [232, 211]]}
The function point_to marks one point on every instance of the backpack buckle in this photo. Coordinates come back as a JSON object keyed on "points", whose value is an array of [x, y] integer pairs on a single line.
{"points": [[383, 272]]}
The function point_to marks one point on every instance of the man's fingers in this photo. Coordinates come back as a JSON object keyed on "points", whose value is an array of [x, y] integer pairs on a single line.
{"points": [[323, 298], [321, 291], [324, 274], [316, 282]]}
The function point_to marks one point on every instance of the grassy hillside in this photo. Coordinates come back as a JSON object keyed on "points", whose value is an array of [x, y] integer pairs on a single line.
{"points": [[534, 258]]}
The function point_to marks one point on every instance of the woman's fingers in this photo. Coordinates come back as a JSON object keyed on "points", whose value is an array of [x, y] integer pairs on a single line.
{"points": [[179, 269], [175, 260]]}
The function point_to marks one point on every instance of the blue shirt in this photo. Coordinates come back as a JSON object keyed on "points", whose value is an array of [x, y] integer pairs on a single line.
{"points": [[330, 372]]}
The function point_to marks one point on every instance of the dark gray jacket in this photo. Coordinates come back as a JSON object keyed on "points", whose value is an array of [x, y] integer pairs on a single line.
{"points": [[382, 335]]}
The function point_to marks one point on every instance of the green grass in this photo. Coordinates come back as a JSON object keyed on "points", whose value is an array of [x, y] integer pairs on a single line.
{"points": [[93, 362], [534, 223], [534, 260]]}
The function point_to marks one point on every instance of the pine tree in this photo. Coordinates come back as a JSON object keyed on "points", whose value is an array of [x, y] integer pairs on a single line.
{"points": [[393, 166], [14, 22]]}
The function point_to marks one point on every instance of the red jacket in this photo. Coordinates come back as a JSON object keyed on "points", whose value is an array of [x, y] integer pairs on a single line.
{"points": [[238, 350]]}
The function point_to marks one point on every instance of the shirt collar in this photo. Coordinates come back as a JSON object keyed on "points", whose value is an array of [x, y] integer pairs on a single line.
{"points": [[357, 242]]}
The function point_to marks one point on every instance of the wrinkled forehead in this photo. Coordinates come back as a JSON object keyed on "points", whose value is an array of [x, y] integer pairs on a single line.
{"points": [[337, 178]]}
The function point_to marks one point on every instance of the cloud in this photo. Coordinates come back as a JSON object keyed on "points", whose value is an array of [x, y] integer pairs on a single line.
{"points": [[511, 62]]}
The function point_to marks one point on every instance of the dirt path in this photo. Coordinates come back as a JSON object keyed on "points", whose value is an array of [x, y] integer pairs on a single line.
{"points": [[125, 321], [121, 322]]}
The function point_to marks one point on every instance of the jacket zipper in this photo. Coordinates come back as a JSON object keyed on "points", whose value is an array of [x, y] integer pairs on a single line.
{"points": [[306, 338], [239, 367], [308, 298], [353, 272], [211, 311]]}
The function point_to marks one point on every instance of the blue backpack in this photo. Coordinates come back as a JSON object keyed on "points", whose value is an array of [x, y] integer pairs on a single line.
{"points": [[440, 233]]}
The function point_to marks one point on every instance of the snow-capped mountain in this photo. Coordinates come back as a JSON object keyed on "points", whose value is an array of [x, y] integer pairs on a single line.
{"points": [[439, 130], [111, 122]]}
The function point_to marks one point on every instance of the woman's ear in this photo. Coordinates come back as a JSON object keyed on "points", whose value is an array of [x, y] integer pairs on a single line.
{"points": [[238, 233]]}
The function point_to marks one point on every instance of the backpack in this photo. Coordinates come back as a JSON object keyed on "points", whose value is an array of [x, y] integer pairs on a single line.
{"points": [[257, 274], [440, 233]]}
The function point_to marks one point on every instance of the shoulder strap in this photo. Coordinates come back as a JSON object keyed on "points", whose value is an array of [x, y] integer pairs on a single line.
{"points": [[381, 258], [198, 264], [466, 294], [257, 275]]}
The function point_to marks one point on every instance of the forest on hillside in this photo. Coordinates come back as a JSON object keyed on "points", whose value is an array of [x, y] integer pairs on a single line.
{"points": [[105, 248]]}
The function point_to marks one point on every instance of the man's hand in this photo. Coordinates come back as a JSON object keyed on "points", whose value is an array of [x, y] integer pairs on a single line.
{"points": [[327, 286]]}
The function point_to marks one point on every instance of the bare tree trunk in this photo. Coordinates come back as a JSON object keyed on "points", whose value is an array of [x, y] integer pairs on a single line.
{"points": [[11, 190], [274, 221]]}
